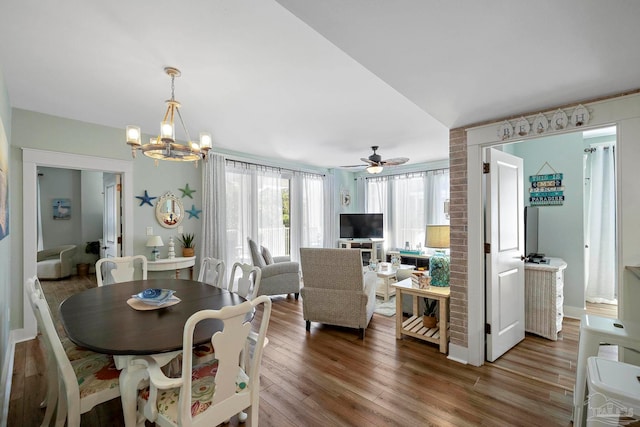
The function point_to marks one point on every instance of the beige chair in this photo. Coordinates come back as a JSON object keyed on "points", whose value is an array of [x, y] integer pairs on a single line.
{"points": [[120, 269], [56, 263], [211, 393], [280, 275], [79, 385], [212, 272], [336, 291]]}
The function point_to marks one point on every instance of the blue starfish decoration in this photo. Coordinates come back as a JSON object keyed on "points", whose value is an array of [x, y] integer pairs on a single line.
{"points": [[186, 191], [193, 212], [146, 199]]}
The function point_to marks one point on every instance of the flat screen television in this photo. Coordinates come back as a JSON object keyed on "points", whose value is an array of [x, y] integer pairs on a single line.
{"points": [[361, 226]]}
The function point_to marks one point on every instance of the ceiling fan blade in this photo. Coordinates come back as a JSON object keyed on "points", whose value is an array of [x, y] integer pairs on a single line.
{"points": [[395, 161], [353, 166], [370, 162]]}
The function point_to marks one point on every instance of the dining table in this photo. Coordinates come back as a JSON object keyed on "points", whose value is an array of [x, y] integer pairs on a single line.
{"points": [[105, 320]]}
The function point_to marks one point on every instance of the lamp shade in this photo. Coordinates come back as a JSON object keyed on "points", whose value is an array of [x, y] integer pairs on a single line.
{"points": [[437, 236], [154, 241]]}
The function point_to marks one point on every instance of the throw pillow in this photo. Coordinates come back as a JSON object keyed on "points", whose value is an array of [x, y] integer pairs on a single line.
{"points": [[267, 255]]}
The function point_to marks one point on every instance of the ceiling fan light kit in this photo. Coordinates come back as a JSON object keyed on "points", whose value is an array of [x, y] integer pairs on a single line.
{"points": [[164, 146]]}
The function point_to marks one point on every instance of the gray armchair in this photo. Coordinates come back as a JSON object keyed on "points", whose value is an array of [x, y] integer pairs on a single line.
{"points": [[56, 263], [336, 291], [280, 275]]}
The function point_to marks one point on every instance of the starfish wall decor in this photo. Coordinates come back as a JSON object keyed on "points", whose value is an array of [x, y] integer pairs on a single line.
{"points": [[146, 199]]}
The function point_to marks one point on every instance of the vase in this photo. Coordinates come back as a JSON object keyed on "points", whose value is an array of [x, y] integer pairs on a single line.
{"points": [[439, 269], [429, 321], [187, 252]]}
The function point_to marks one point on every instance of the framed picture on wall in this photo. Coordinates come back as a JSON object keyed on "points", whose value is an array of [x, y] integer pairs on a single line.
{"points": [[61, 209]]}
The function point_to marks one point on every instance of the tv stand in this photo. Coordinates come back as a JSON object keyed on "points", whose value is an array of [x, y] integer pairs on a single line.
{"points": [[370, 248]]}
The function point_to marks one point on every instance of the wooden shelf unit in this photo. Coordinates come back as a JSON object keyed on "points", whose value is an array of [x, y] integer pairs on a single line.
{"points": [[370, 248]]}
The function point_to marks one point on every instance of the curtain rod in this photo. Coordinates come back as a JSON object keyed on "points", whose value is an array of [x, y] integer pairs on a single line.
{"points": [[273, 168]]}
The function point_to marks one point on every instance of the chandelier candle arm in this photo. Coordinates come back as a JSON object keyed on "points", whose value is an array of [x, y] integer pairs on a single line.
{"points": [[164, 146]]}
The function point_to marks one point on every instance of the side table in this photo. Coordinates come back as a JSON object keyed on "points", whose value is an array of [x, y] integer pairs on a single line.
{"points": [[176, 264], [413, 325]]}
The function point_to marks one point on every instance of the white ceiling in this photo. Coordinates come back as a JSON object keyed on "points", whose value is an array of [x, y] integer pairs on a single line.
{"points": [[316, 82]]}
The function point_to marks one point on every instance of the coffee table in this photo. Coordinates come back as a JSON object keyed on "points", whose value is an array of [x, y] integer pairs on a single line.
{"points": [[388, 277]]}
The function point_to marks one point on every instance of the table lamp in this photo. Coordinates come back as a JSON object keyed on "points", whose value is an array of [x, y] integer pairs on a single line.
{"points": [[154, 242], [438, 238]]}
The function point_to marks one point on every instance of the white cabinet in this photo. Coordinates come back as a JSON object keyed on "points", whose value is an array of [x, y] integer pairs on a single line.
{"points": [[370, 248], [544, 298]]}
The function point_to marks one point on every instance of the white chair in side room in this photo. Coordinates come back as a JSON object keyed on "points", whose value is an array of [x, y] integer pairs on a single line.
{"points": [[231, 382], [119, 269]]}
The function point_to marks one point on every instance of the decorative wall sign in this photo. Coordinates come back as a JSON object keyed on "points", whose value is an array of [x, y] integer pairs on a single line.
{"points": [[505, 130], [559, 120], [546, 190], [580, 116], [541, 123]]}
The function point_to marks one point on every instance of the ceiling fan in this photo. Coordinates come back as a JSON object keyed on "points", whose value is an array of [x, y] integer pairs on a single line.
{"points": [[375, 164]]}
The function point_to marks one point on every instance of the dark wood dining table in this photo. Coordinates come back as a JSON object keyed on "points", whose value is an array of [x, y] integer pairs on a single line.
{"points": [[101, 320]]}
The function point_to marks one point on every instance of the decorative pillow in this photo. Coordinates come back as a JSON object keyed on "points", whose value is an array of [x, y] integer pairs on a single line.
{"points": [[268, 259]]}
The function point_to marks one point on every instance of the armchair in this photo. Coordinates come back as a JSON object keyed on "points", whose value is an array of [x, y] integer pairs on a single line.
{"points": [[56, 263], [280, 275], [336, 291]]}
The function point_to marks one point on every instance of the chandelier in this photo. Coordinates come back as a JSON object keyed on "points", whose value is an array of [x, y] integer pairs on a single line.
{"points": [[164, 146]]}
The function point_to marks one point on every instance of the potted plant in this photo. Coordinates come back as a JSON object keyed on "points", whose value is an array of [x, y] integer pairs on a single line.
{"points": [[188, 244], [429, 319]]}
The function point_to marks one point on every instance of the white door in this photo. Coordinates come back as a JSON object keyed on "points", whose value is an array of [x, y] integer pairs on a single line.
{"points": [[110, 246], [505, 265]]}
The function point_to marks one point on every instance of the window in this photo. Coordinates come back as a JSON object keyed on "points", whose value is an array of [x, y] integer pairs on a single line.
{"points": [[282, 210], [409, 202]]}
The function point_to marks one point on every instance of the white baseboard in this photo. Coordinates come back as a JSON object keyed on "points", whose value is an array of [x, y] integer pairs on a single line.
{"points": [[5, 379], [458, 353], [573, 312]]}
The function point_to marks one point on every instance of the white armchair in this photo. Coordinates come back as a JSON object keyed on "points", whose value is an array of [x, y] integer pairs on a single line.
{"points": [[56, 263]]}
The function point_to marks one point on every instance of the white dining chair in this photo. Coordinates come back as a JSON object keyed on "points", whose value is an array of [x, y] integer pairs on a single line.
{"points": [[212, 272], [119, 269], [211, 393], [77, 386], [248, 283]]}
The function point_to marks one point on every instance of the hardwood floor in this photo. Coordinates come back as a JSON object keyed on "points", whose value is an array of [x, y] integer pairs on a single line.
{"points": [[331, 378]]}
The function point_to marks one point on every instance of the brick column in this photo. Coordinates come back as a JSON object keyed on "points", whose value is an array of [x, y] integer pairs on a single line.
{"points": [[458, 221]]}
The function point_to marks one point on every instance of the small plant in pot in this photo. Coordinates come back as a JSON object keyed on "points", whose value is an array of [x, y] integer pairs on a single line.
{"points": [[188, 244], [429, 319]]}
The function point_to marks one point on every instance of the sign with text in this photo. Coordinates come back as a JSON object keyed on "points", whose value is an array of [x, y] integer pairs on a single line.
{"points": [[546, 190]]}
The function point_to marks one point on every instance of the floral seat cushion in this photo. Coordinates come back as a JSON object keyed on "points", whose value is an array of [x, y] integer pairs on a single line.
{"points": [[202, 389], [96, 373], [75, 352]]}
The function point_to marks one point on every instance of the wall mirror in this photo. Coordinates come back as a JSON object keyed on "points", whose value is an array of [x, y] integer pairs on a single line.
{"points": [[169, 211]]}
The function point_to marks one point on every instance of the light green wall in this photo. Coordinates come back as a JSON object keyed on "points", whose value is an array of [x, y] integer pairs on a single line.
{"points": [[5, 254]]}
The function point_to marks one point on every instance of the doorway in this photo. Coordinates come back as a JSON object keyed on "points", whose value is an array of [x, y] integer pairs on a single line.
{"points": [[31, 160], [562, 226]]}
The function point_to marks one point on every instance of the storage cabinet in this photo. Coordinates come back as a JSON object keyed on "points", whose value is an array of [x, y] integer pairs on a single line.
{"points": [[412, 259], [544, 298], [370, 248]]}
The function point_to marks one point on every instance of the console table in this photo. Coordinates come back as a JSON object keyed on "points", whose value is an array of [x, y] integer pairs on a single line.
{"points": [[413, 325], [177, 264]]}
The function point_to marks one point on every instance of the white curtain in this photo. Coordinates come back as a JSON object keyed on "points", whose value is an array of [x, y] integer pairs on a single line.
{"points": [[601, 286], [409, 202], [214, 224], [313, 211], [271, 232], [239, 215]]}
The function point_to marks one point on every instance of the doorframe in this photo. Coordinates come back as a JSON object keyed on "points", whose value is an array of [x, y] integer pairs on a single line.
{"points": [[31, 160], [477, 142]]}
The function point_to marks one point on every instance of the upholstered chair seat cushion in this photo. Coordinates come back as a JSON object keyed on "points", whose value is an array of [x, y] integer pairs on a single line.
{"points": [[202, 388]]}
